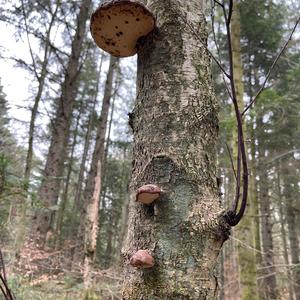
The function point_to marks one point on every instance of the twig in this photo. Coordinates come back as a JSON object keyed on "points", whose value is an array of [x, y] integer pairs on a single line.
{"points": [[2, 290], [205, 46], [282, 155], [234, 217], [247, 245], [6, 292], [272, 67], [230, 11], [219, 3], [216, 44], [2, 266], [28, 41]]}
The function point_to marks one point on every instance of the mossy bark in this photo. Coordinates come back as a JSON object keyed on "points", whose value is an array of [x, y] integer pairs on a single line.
{"points": [[175, 129]]}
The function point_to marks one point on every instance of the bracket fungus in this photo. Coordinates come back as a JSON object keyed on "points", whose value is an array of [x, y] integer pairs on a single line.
{"points": [[142, 259], [117, 25], [148, 193]]}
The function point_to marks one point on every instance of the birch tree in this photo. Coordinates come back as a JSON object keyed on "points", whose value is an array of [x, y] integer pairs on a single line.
{"points": [[175, 128]]}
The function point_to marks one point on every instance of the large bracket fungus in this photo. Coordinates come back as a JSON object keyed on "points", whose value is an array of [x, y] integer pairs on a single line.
{"points": [[148, 193], [117, 25]]}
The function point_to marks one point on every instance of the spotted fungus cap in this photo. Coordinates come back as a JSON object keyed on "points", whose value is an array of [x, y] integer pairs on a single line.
{"points": [[117, 25]]}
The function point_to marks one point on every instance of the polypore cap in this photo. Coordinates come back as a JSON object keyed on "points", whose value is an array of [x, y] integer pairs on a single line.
{"points": [[117, 25], [148, 193], [142, 259]]}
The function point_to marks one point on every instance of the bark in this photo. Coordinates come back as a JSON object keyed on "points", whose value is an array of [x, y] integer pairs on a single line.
{"points": [[246, 256], [175, 129], [108, 255], [253, 188], [53, 171], [93, 185], [109, 233], [284, 237], [65, 194], [91, 228], [255, 210]]}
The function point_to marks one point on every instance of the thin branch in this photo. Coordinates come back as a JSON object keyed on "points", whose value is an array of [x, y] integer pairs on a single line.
{"points": [[2, 290], [216, 44], [7, 293], [272, 67], [28, 41], [205, 46], [282, 155], [2, 266], [230, 12], [219, 3], [234, 217]]}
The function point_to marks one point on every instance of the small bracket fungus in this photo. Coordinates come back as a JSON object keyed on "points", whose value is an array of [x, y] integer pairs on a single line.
{"points": [[148, 193], [142, 259], [117, 25]]}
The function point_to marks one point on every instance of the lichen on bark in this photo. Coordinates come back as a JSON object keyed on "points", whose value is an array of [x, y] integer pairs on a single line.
{"points": [[175, 129]]}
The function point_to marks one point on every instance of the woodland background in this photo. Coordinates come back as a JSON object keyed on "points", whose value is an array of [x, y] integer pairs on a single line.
{"points": [[262, 251]]}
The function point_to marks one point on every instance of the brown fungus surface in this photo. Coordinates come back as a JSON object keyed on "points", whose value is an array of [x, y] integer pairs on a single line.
{"points": [[116, 26], [142, 259], [148, 193]]}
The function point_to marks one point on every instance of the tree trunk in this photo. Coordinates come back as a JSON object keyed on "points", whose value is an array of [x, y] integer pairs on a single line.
{"points": [[91, 228], [21, 219], [93, 185], [65, 193], [284, 238], [268, 271], [175, 129], [253, 187], [41, 82], [87, 142], [290, 189], [53, 171], [246, 256]]}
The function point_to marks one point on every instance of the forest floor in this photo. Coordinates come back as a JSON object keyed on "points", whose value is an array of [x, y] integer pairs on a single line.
{"points": [[46, 275]]}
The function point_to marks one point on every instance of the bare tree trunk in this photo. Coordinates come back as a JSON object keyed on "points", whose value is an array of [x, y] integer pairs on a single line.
{"points": [[268, 270], [53, 171], [93, 185], [253, 188], [91, 229], [175, 129], [65, 194], [87, 142], [283, 236], [290, 189]]}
